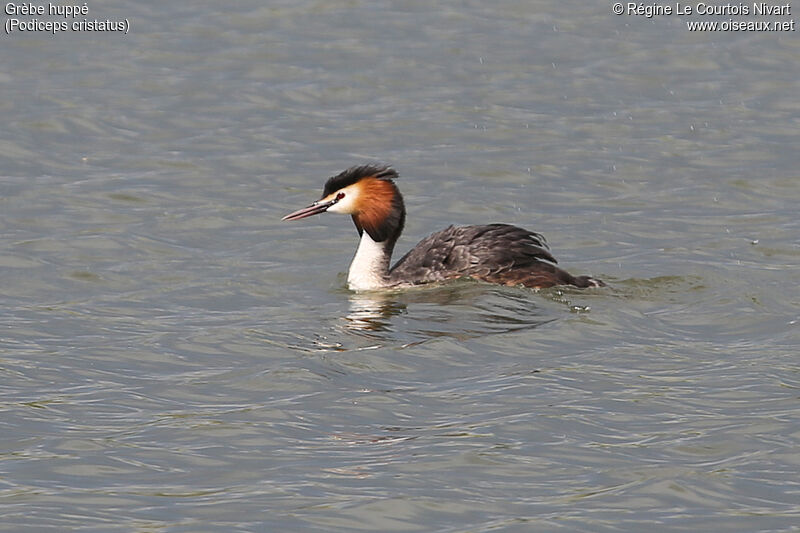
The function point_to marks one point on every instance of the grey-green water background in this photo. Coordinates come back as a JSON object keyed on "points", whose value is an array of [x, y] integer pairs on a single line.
{"points": [[174, 358]]}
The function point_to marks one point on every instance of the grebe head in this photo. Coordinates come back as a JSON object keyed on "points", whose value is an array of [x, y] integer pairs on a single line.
{"points": [[369, 195]]}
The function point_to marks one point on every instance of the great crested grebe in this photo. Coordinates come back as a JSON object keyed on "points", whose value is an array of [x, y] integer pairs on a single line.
{"points": [[496, 253]]}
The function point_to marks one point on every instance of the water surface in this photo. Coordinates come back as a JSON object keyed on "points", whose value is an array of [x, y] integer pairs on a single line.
{"points": [[175, 358]]}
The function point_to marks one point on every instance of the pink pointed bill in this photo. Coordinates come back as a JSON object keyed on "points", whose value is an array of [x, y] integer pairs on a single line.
{"points": [[314, 209]]}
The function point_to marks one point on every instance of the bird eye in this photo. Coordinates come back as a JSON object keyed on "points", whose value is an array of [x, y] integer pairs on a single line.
{"points": [[340, 196]]}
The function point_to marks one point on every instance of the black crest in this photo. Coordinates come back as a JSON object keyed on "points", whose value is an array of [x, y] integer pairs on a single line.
{"points": [[354, 174]]}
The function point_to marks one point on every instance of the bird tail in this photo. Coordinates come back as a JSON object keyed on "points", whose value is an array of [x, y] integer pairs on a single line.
{"points": [[585, 282]]}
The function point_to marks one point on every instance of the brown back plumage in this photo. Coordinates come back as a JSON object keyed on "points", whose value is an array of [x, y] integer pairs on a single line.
{"points": [[496, 253]]}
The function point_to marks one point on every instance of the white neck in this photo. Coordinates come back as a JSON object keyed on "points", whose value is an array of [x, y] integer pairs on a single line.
{"points": [[370, 267]]}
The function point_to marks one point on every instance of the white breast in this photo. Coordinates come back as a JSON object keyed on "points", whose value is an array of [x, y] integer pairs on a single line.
{"points": [[370, 266]]}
